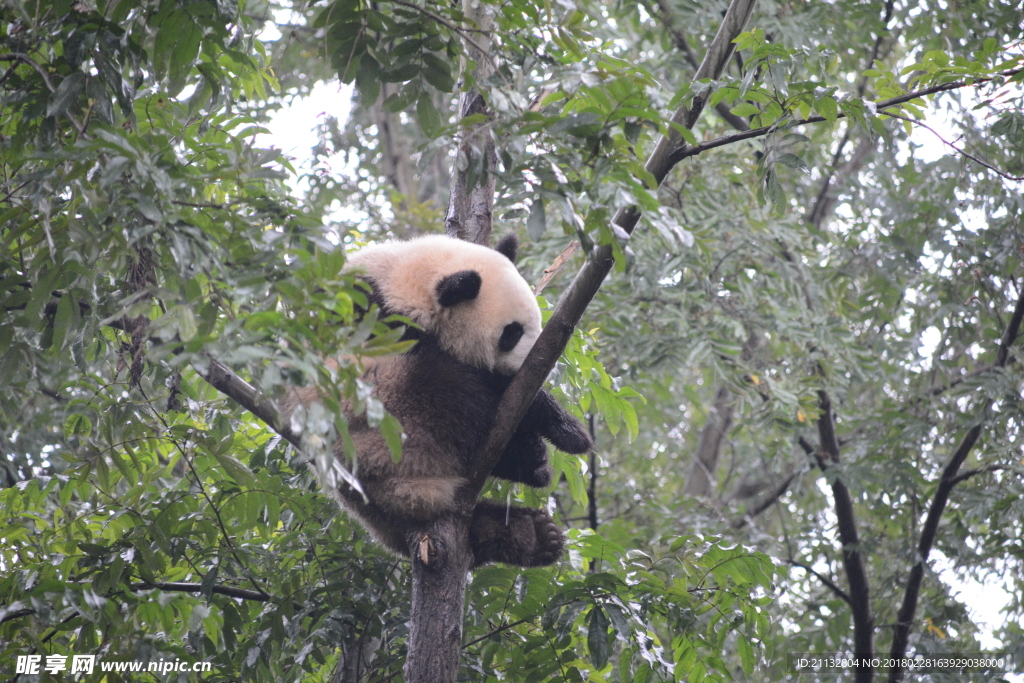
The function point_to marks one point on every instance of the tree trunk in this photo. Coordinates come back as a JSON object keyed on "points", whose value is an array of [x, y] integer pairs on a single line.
{"points": [[441, 552], [471, 195], [705, 459], [438, 595]]}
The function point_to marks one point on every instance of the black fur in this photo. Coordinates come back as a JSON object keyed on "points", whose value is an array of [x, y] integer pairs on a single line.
{"points": [[447, 409], [458, 287], [525, 459], [508, 246]]}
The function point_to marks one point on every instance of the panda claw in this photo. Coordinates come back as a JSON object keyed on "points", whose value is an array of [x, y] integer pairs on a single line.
{"points": [[550, 541]]}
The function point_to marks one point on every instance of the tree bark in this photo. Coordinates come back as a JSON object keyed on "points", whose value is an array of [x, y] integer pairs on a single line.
{"points": [[438, 595], [471, 195], [705, 458], [853, 561]]}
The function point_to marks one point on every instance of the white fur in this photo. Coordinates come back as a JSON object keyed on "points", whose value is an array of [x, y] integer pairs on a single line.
{"points": [[407, 274]]}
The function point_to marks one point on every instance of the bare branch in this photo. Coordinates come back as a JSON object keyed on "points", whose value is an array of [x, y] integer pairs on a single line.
{"points": [[959, 150], [950, 478], [824, 579], [551, 271], [967, 474], [709, 445], [767, 502], [180, 587], [685, 151], [231, 385], [683, 45]]}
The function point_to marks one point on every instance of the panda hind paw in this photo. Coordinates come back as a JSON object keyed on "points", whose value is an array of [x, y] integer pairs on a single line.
{"points": [[550, 541]]}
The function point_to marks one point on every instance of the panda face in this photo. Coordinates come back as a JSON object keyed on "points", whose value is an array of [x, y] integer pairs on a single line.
{"points": [[471, 298]]}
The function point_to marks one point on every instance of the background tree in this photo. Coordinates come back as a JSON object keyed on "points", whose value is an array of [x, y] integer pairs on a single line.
{"points": [[819, 314]]}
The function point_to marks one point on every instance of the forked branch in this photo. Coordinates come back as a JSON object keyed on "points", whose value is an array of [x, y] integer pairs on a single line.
{"points": [[950, 477]]}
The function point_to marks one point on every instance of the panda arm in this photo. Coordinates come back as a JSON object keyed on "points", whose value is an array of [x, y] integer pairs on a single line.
{"points": [[549, 419], [525, 459]]}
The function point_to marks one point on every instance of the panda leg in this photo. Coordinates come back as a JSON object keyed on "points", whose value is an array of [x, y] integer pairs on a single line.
{"points": [[525, 537]]}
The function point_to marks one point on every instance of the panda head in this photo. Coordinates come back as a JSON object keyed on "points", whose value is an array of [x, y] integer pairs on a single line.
{"points": [[469, 297]]}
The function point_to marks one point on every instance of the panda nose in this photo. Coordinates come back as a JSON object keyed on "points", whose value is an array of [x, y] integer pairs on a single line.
{"points": [[510, 336]]}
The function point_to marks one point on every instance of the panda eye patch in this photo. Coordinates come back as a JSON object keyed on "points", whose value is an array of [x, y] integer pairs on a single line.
{"points": [[510, 336]]}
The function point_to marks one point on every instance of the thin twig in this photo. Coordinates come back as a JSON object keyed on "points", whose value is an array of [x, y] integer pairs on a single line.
{"points": [[496, 631], [957, 149], [551, 271], [685, 151], [824, 579], [967, 474]]}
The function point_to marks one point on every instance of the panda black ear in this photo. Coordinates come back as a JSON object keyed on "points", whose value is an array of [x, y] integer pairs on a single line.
{"points": [[508, 246], [458, 287]]}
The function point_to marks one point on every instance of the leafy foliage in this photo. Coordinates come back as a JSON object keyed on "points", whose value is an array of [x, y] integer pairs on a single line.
{"points": [[144, 516]]}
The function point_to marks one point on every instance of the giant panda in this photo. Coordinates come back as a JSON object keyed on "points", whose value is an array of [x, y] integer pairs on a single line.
{"points": [[476, 320]]}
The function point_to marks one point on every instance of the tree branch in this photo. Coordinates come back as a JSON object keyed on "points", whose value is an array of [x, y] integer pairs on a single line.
{"points": [[967, 474], [553, 339], [709, 445], [471, 193], [825, 580], [224, 380], [682, 152], [767, 502], [683, 45], [950, 478], [180, 587], [958, 149], [853, 562]]}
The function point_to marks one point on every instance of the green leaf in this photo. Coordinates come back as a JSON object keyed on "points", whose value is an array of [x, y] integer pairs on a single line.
{"points": [[391, 430], [828, 108], [792, 161], [747, 657], [536, 224], [66, 94], [597, 637], [438, 72], [426, 114], [77, 424], [63, 320], [236, 470], [401, 99], [745, 109]]}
